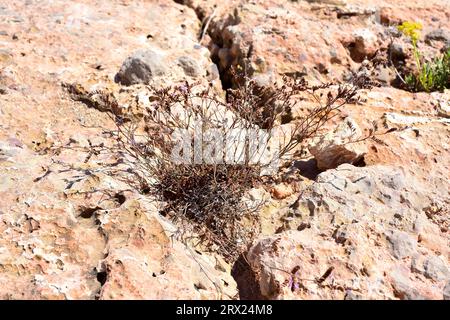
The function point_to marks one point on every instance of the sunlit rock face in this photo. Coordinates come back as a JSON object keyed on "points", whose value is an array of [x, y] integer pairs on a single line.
{"points": [[347, 221]]}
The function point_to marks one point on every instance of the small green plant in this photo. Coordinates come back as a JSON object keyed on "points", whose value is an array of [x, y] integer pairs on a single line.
{"points": [[430, 75], [434, 75]]}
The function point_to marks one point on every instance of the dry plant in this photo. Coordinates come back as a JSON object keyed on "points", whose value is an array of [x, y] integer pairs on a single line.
{"points": [[209, 201]]}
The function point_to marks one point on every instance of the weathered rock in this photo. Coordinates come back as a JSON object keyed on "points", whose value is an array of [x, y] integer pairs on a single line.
{"points": [[61, 214], [397, 52], [190, 66], [349, 210], [385, 75], [144, 263], [446, 292], [52, 246], [157, 66], [141, 67], [403, 286], [282, 191], [336, 2], [351, 10], [266, 35], [442, 102], [338, 146], [364, 44], [287, 265], [403, 245], [438, 35], [293, 265], [435, 268]]}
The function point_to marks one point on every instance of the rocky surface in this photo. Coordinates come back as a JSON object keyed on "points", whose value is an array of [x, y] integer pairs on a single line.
{"points": [[370, 225], [334, 36], [61, 234], [143, 262], [339, 146], [378, 230]]}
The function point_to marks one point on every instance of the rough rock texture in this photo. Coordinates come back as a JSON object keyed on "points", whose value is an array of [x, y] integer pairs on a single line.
{"points": [[338, 146], [334, 36], [143, 262], [350, 220], [141, 67], [446, 294], [70, 231]]}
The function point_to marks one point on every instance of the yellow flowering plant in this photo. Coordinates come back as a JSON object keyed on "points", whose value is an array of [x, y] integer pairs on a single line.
{"points": [[433, 75], [411, 30]]}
